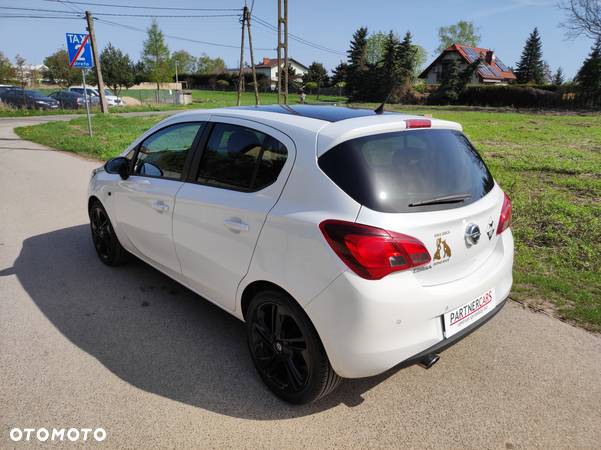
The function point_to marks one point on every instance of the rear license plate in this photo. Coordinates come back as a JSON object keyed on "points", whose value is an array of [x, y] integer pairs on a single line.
{"points": [[458, 319]]}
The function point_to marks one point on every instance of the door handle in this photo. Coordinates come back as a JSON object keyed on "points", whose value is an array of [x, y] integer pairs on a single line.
{"points": [[236, 225], [160, 206]]}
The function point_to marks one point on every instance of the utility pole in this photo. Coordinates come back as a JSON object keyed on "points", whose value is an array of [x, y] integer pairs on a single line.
{"points": [[241, 73], [279, 51], [286, 52], [103, 104], [252, 57]]}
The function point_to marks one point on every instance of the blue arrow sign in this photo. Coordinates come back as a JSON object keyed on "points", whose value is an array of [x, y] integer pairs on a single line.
{"points": [[80, 51]]}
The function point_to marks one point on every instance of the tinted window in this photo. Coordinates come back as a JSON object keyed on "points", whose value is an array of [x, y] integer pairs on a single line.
{"points": [[164, 153], [388, 172], [240, 158]]}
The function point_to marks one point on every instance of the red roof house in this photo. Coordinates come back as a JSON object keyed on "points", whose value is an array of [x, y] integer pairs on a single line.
{"points": [[490, 70]]}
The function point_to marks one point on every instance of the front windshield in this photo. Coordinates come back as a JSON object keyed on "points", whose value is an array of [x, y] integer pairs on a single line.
{"points": [[108, 92]]}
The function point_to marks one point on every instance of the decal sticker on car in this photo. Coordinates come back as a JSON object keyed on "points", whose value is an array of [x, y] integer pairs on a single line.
{"points": [[443, 250]]}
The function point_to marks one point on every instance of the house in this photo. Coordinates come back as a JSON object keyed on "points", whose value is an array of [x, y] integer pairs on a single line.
{"points": [[490, 70], [269, 68]]}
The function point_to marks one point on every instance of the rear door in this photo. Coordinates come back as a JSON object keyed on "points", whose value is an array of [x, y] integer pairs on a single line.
{"points": [[219, 213], [427, 183], [144, 202]]}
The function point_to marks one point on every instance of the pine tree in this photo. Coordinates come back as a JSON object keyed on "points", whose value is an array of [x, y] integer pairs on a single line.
{"points": [[589, 75], [390, 65], [358, 70], [558, 78], [530, 69], [155, 56], [339, 73], [407, 55]]}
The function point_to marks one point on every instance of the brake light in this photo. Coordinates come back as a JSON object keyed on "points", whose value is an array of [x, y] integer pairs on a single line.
{"points": [[418, 123], [505, 219], [373, 253]]}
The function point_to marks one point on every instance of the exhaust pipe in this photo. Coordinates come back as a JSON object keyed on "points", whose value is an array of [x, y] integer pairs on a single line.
{"points": [[429, 360]]}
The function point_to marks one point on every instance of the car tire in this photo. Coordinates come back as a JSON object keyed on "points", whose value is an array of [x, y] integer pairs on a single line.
{"points": [[286, 349], [105, 240]]}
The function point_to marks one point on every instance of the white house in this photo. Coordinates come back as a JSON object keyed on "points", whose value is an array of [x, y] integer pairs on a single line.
{"points": [[269, 68]]}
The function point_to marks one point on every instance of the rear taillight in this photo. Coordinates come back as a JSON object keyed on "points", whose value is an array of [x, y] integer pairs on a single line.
{"points": [[505, 219], [418, 123], [373, 253]]}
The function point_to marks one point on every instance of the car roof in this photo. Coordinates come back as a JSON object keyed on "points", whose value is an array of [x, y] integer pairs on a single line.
{"points": [[328, 113]]}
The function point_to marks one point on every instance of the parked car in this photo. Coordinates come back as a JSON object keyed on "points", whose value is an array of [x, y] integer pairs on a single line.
{"points": [[6, 87], [111, 99], [348, 241], [73, 100], [24, 98]]}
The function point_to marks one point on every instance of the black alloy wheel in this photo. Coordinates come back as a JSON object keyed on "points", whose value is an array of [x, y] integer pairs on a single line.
{"points": [[105, 240], [286, 349]]}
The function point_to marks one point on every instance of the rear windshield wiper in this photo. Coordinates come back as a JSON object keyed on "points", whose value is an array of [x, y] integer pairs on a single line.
{"points": [[455, 198]]}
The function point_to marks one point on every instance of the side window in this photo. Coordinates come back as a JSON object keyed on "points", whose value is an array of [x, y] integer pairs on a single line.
{"points": [[164, 153], [240, 158]]}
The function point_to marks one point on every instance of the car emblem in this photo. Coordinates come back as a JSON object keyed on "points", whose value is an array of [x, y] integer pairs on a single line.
{"points": [[491, 228], [472, 234]]}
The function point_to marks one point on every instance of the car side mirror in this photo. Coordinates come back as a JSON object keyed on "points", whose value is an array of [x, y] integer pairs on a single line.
{"points": [[119, 166]]}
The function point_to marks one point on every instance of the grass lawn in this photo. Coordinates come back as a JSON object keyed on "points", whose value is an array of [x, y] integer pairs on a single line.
{"points": [[550, 165]]}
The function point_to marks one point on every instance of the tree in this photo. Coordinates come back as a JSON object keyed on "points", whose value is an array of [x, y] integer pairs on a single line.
{"points": [[375, 48], [155, 55], [407, 56], [589, 75], [391, 64], [117, 69], [59, 71], [547, 73], [465, 33], [584, 18], [420, 55], [7, 71], [186, 63], [358, 69], [317, 74], [530, 68], [558, 78], [210, 66], [453, 82], [339, 73], [20, 70]]}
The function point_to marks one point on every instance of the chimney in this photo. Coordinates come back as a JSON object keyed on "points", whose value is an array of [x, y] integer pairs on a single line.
{"points": [[265, 61], [490, 57]]}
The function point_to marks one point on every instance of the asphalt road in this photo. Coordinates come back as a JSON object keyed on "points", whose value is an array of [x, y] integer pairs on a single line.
{"points": [[129, 350]]}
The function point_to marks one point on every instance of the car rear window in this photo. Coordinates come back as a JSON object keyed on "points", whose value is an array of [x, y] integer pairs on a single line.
{"points": [[395, 172]]}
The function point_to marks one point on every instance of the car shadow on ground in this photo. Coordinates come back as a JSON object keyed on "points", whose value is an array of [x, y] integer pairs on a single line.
{"points": [[152, 332]]}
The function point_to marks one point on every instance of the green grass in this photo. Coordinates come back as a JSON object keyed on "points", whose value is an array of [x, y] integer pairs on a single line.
{"points": [[112, 134], [550, 165]]}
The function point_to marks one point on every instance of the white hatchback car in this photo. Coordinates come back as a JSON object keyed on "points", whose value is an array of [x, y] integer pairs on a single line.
{"points": [[348, 241]]}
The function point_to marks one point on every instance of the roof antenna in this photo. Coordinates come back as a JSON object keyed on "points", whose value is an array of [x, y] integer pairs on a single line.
{"points": [[380, 109]]}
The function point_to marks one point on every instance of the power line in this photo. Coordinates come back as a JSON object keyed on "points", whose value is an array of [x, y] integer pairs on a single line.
{"points": [[180, 16], [113, 5], [171, 36], [32, 16], [299, 39]]}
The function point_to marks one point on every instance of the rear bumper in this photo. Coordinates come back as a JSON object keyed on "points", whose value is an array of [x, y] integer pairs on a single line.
{"points": [[446, 343], [368, 327]]}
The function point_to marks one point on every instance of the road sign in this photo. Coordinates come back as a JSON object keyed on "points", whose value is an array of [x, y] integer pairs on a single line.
{"points": [[80, 52]]}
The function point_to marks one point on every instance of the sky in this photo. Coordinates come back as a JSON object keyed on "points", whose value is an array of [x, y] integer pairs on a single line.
{"points": [[504, 27]]}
